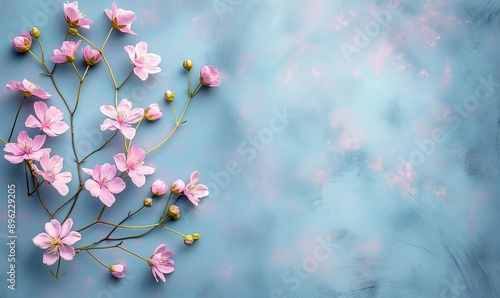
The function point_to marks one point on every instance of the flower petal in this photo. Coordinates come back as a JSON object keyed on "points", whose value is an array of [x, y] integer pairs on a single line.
{"points": [[67, 252], [50, 257]]}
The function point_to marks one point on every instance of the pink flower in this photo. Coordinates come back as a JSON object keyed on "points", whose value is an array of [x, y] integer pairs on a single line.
{"points": [[159, 187], [25, 148], [134, 165], [49, 120], [52, 167], [67, 52], [118, 270], [194, 191], [90, 56], [121, 19], [177, 187], [74, 16], [104, 184], [161, 262], [28, 89], [58, 241], [122, 118], [153, 112], [145, 63], [22, 43], [209, 76]]}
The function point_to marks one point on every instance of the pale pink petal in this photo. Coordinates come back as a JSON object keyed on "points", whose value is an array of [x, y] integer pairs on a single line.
{"points": [[38, 142], [71, 238], [32, 122], [137, 178], [58, 58], [146, 170], [107, 171], [127, 30], [40, 109], [106, 197], [160, 249], [67, 252], [109, 13], [50, 257], [61, 187], [71, 12], [108, 124], [141, 73], [127, 131], [141, 47], [126, 17], [130, 51], [42, 240], [194, 200], [195, 176], [116, 185], [120, 162], [14, 159], [93, 187], [56, 129], [109, 111], [66, 227], [157, 273], [53, 228], [135, 115], [87, 171]]}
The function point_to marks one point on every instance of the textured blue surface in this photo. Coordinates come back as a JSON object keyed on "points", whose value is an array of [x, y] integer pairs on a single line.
{"points": [[351, 151]]}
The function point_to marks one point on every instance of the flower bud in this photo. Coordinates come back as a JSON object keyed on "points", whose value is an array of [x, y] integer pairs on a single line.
{"points": [[174, 211], [72, 31], [153, 112], [196, 236], [177, 187], [188, 240], [159, 187], [187, 64], [118, 270], [91, 56], [22, 43], [169, 95], [148, 202], [35, 32]]}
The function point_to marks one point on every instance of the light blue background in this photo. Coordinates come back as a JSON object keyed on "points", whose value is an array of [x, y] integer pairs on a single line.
{"points": [[335, 171]]}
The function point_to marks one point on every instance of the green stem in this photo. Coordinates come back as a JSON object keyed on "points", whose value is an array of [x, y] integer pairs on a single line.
{"points": [[87, 226], [166, 205], [101, 212], [3, 141], [102, 146], [129, 227], [36, 188], [36, 58], [41, 48], [15, 119], [133, 253], [130, 74], [107, 37], [173, 111], [95, 258], [69, 200], [174, 231], [130, 142], [76, 70]]}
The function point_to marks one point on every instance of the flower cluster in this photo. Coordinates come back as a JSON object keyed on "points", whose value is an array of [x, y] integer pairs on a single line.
{"points": [[105, 181]]}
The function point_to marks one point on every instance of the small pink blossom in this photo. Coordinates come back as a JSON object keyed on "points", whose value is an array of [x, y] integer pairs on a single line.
{"points": [[26, 148], [209, 76], [145, 63], [22, 43], [122, 118], [118, 270], [49, 120], [153, 112], [133, 164], [90, 56], [74, 17], [52, 167], [177, 187], [28, 89], [67, 53], [194, 191], [104, 184], [161, 262], [58, 241], [121, 19], [159, 187]]}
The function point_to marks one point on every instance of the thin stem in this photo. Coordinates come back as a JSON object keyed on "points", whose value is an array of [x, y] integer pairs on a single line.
{"points": [[36, 58], [101, 212], [133, 253], [136, 127], [76, 70], [166, 205], [69, 200], [87, 226], [189, 82], [95, 258], [173, 111], [174, 231], [36, 188], [133, 237], [130, 74], [128, 216], [41, 48], [15, 119], [129, 227], [107, 37], [102, 146], [3, 140]]}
